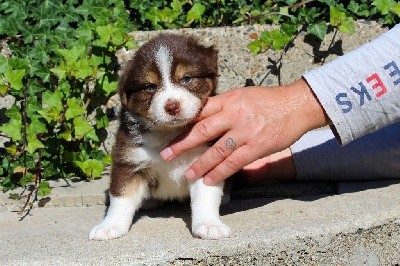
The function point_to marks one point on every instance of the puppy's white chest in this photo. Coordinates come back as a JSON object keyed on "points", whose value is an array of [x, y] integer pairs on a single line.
{"points": [[171, 183]]}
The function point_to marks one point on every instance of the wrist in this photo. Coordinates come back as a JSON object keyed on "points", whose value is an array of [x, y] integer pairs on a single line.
{"points": [[311, 110]]}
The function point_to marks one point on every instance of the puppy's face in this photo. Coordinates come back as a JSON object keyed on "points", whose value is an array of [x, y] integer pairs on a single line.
{"points": [[169, 80]]}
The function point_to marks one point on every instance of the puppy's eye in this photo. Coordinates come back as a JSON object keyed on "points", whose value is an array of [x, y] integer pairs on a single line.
{"points": [[150, 87], [186, 79]]}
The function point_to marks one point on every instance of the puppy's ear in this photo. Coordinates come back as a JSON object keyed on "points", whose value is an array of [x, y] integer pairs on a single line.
{"points": [[211, 60], [211, 57], [123, 98], [207, 55], [122, 86]]}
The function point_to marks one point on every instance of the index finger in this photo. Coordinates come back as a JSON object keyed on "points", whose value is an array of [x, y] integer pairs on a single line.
{"points": [[212, 106], [209, 128]]}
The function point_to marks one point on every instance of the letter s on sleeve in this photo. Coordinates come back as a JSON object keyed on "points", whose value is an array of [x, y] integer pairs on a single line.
{"points": [[342, 100]]}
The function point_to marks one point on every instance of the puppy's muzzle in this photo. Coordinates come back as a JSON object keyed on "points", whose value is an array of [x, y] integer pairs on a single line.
{"points": [[172, 107]]}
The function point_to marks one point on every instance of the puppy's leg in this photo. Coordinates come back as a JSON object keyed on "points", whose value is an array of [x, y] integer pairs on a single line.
{"points": [[205, 202], [126, 195]]}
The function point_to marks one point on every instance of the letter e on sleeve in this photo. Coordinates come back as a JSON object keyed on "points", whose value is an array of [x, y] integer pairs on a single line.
{"points": [[378, 84], [395, 72]]}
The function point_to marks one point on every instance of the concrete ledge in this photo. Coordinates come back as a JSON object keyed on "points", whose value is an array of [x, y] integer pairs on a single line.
{"points": [[330, 229]]}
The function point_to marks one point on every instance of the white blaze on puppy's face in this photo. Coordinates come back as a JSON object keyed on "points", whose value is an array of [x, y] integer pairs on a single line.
{"points": [[171, 105]]}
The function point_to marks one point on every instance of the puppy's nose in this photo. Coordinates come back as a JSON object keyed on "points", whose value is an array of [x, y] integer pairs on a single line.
{"points": [[172, 107]]}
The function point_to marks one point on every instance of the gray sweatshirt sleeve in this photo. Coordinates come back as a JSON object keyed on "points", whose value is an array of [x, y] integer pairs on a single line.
{"points": [[360, 91]]}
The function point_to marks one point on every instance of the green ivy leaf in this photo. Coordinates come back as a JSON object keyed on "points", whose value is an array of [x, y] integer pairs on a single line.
{"points": [[289, 29], [339, 19], [92, 135], [60, 72], [336, 16], [196, 12], [26, 179], [65, 88], [51, 114], [177, 5], [8, 183], [36, 127], [106, 33], [3, 89], [74, 108], [383, 5], [81, 127], [358, 9], [12, 150], [255, 47], [396, 9], [91, 168], [101, 119], [13, 112], [12, 129], [279, 39], [3, 64], [32, 107], [152, 16], [131, 44], [67, 135], [72, 55], [328, 2], [318, 29], [33, 144], [18, 63], [53, 99], [107, 159], [14, 77], [82, 69], [44, 189], [347, 26], [109, 87]]}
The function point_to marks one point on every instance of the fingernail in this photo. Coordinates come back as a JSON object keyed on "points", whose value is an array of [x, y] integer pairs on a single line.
{"points": [[190, 174], [167, 154], [207, 181]]}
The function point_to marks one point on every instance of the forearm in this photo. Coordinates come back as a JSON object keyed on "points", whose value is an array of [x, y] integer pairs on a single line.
{"points": [[360, 90]]}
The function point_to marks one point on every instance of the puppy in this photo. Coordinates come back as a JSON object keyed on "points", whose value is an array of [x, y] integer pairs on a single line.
{"points": [[162, 90]]}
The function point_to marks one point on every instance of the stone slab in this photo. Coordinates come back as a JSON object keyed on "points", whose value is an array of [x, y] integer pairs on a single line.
{"points": [[347, 229]]}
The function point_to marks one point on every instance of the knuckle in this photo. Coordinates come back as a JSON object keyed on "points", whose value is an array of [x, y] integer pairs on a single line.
{"points": [[197, 168], [219, 152], [234, 94], [216, 175], [232, 164], [202, 130]]}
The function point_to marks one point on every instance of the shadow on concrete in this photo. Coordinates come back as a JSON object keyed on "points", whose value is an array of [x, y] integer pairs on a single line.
{"points": [[335, 47], [358, 186], [253, 197]]}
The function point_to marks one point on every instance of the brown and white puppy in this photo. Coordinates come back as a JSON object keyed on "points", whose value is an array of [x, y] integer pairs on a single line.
{"points": [[162, 90]]}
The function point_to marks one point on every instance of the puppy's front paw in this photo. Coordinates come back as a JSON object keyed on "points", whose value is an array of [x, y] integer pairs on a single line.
{"points": [[105, 231], [214, 230]]}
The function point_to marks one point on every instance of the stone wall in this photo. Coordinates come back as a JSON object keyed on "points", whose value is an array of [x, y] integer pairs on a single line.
{"points": [[236, 62]]}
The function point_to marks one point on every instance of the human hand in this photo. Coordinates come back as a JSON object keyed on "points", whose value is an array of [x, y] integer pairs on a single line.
{"points": [[249, 123]]}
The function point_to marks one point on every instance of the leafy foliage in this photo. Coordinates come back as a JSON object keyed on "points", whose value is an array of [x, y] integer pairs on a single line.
{"points": [[58, 62], [318, 17], [61, 69]]}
